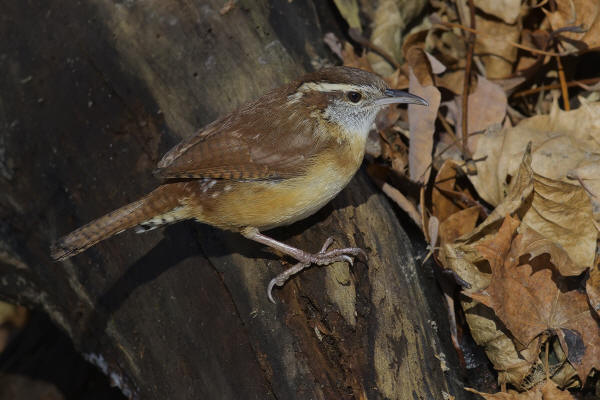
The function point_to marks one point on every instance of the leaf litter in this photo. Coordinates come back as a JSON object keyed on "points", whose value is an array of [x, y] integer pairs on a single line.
{"points": [[501, 172]]}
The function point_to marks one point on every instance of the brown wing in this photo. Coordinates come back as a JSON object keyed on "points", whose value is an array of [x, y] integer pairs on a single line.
{"points": [[261, 140]]}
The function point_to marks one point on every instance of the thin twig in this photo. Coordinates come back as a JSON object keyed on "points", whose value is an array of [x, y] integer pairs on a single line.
{"points": [[563, 84], [540, 52], [455, 142], [510, 42], [471, 37], [580, 82], [546, 366], [462, 198], [447, 126]]}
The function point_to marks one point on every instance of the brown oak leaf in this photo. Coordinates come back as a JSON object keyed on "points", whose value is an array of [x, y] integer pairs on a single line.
{"points": [[532, 300]]}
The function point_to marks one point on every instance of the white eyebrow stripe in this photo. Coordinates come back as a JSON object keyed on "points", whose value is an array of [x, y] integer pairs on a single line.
{"points": [[329, 87]]}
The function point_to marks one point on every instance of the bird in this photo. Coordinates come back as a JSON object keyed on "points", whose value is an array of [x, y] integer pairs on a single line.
{"points": [[273, 161]]}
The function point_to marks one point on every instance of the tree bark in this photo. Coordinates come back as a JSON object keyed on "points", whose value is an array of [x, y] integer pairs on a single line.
{"points": [[94, 93]]}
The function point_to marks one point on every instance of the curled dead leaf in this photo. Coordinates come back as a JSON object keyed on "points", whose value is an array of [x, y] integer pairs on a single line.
{"points": [[513, 366], [562, 213], [535, 245], [462, 256], [511, 196], [533, 300], [565, 147]]}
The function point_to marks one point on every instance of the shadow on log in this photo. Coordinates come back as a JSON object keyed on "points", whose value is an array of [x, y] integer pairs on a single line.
{"points": [[95, 93]]}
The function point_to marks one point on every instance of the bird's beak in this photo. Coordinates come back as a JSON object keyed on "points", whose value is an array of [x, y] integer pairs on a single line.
{"points": [[393, 96]]}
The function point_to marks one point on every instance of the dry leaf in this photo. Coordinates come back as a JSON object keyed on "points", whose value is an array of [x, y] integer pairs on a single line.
{"points": [[442, 206], [563, 142], [486, 107], [510, 395], [506, 10], [551, 307], [546, 391], [417, 61], [562, 213], [535, 245], [421, 121], [452, 80], [571, 13], [397, 80], [436, 65], [449, 48], [433, 228], [494, 46], [587, 174], [387, 27], [513, 366], [396, 152], [495, 250], [458, 224], [551, 392], [390, 19], [334, 44], [491, 181], [352, 60], [592, 287], [546, 171], [403, 203], [350, 12], [512, 198], [462, 256], [559, 211]]}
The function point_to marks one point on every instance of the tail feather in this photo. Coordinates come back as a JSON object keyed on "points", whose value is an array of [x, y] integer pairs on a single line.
{"points": [[156, 203]]}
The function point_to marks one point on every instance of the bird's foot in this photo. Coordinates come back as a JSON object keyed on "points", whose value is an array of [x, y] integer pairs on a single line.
{"points": [[321, 258]]}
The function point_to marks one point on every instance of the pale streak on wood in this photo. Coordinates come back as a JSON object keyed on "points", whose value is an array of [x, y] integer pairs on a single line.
{"points": [[341, 289], [397, 324]]}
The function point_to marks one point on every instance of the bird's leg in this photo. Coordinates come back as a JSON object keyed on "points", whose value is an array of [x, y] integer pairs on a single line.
{"points": [[305, 259]]}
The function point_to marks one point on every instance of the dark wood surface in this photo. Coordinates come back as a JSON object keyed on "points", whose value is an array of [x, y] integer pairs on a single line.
{"points": [[93, 93]]}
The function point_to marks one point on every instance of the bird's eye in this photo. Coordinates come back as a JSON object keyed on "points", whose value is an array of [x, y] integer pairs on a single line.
{"points": [[354, 97]]}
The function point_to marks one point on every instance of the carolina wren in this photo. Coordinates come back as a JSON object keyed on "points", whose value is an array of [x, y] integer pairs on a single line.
{"points": [[272, 162]]}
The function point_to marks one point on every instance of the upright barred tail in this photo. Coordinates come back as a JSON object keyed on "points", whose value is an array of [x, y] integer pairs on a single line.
{"points": [[146, 211]]}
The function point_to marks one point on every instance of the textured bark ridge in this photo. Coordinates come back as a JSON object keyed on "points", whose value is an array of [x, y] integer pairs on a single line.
{"points": [[94, 93]]}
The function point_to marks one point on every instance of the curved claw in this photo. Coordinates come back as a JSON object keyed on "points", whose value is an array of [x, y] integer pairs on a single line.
{"points": [[272, 283]]}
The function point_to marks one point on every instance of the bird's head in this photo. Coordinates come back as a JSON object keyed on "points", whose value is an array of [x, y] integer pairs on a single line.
{"points": [[349, 97]]}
